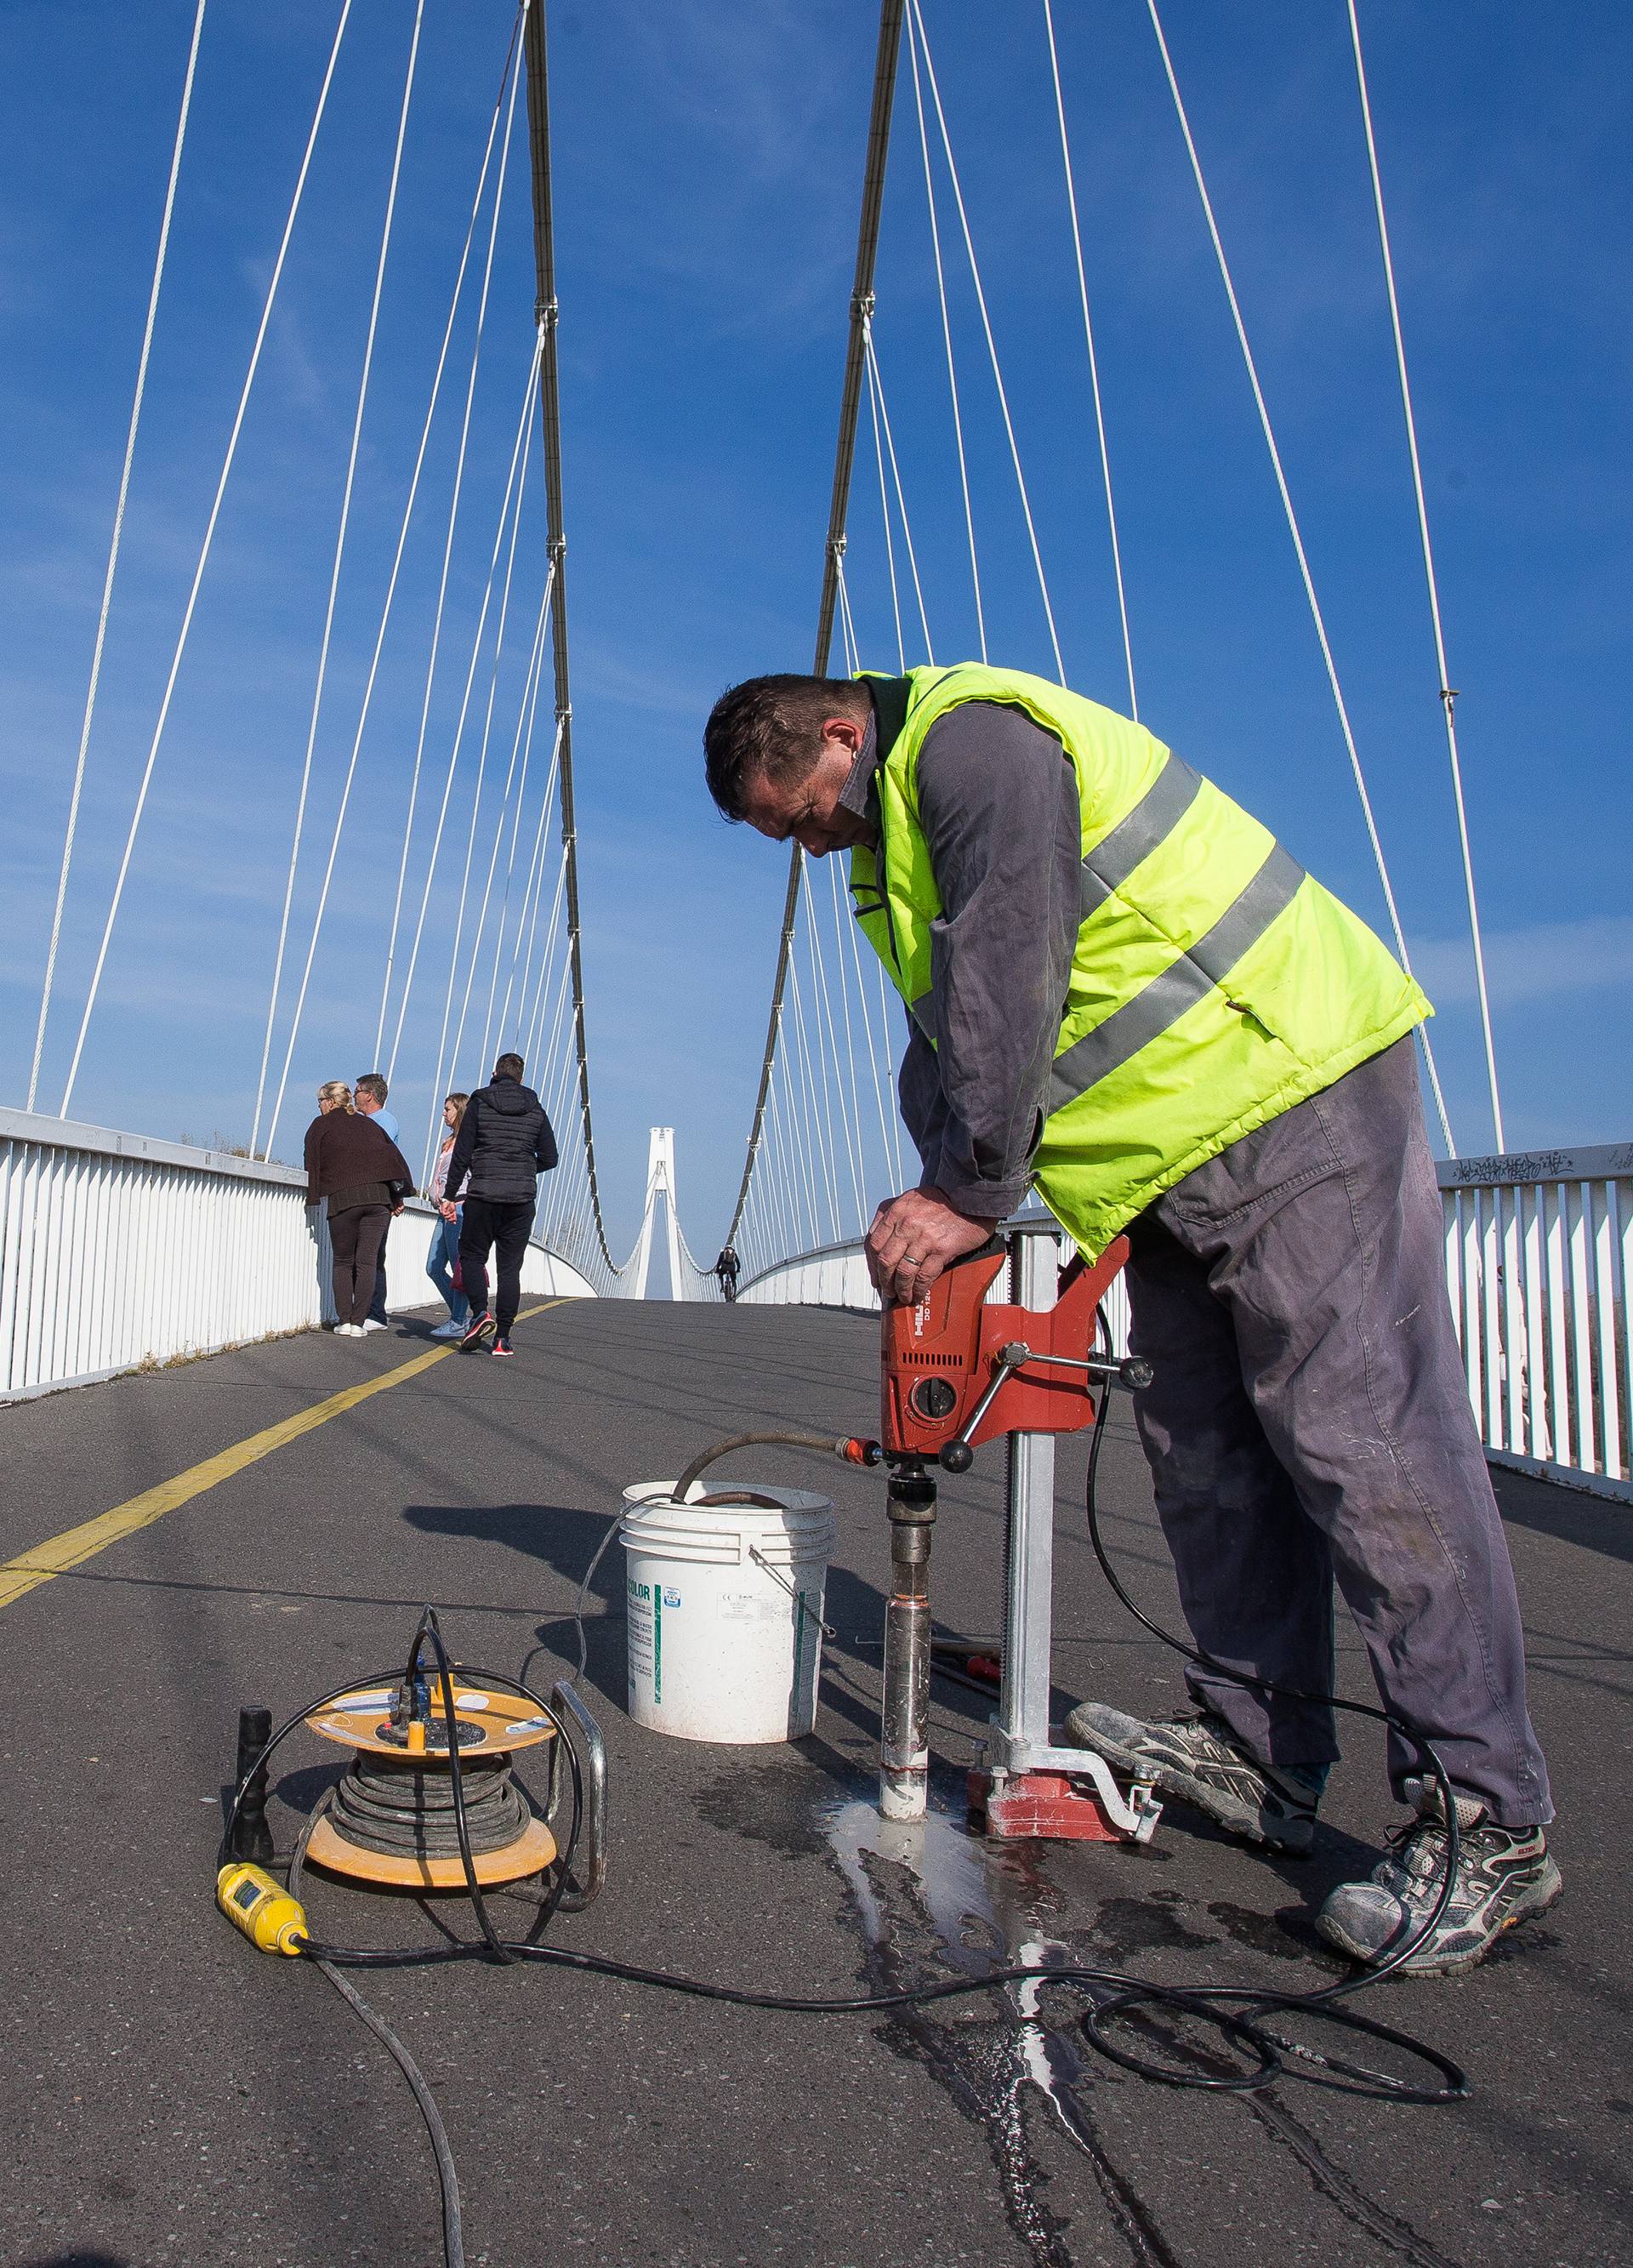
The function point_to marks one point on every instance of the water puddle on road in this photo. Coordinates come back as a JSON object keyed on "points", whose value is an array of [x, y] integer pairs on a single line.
{"points": [[930, 1895]]}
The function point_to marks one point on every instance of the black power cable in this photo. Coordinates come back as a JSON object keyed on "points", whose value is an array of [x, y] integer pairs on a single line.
{"points": [[1251, 2005], [1234, 2012]]}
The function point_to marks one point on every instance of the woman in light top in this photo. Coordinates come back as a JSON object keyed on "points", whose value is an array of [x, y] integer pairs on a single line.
{"points": [[444, 1253]]}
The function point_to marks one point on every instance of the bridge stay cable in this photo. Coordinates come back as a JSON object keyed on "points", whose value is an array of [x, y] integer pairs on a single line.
{"points": [[326, 636], [513, 493], [388, 602], [992, 345], [485, 744], [437, 623], [550, 406], [1306, 575], [1448, 691], [268, 304], [1094, 366], [532, 889], [511, 808], [114, 543], [890, 19], [881, 416], [947, 337]]}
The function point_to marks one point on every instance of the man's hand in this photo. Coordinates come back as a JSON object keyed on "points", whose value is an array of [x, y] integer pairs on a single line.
{"points": [[913, 1238], [448, 1211]]}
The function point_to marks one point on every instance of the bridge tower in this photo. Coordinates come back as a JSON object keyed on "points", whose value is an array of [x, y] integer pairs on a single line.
{"points": [[660, 1183]]}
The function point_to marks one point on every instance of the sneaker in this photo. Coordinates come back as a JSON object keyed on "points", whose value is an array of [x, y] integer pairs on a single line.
{"points": [[449, 1330], [478, 1328], [1504, 1875], [348, 1330], [501, 1346], [370, 1326], [1196, 1757]]}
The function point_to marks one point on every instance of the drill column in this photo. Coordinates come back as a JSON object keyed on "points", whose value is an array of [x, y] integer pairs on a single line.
{"points": [[904, 1747]]}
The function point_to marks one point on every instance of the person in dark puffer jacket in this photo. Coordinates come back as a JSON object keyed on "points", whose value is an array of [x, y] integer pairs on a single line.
{"points": [[505, 1143]]}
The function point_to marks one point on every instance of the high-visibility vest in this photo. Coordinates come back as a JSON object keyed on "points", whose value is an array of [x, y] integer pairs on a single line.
{"points": [[1214, 984]]}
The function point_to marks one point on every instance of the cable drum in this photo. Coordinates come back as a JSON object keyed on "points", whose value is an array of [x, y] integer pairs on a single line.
{"points": [[405, 1811]]}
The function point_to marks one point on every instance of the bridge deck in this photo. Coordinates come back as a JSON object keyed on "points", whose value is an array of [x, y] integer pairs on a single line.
{"points": [[170, 2096]]}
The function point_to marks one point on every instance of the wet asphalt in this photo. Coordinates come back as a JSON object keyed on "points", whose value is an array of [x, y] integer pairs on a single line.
{"points": [[170, 2096]]}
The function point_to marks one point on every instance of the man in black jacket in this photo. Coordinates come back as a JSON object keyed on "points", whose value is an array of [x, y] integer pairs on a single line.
{"points": [[505, 1143]]}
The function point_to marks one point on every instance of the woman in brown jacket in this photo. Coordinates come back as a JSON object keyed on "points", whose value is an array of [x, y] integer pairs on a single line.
{"points": [[366, 1178]]}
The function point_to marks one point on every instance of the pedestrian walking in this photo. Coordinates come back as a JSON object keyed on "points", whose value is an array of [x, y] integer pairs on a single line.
{"points": [[363, 1178], [442, 1263], [370, 1101], [504, 1144], [1125, 994]]}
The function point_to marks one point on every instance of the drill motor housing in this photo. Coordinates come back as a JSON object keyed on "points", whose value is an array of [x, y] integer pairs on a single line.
{"points": [[941, 1356]]}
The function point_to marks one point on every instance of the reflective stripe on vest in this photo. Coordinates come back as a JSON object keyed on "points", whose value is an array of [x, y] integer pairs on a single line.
{"points": [[1187, 981], [1133, 839]]}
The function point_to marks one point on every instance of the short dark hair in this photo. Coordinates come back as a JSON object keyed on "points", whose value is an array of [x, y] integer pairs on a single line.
{"points": [[771, 728], [508, 1067], [372, 1082]]}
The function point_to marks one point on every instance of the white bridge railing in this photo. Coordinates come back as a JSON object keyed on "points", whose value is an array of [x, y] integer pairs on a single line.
{"points": [[1539, 1254], [1538, 1258], [117, 1252]]}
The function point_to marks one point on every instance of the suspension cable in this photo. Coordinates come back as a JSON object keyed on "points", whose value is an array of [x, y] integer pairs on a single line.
{"points": [[482, 765], [391, 586], [442, 587], [511, 486], [849, 410], [881, 412], [1339, 702], [1094, 368], [1448, 695], [334, 571], [448, 1057], [884, 511], [946, 335], [112, 556], [550, 406], [851, 1045], [521, 958], [992, 344], [823, 1010], [204, 551], [525, 724]]}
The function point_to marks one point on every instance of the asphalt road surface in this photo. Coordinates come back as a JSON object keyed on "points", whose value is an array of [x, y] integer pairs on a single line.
{"points": [[170, 2096]]}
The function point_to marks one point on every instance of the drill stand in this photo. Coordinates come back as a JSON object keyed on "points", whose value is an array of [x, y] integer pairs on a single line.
{"points": [[1027, 1784]]}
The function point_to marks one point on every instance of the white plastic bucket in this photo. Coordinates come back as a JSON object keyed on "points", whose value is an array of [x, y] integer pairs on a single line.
{"points": [[725, 1610]]}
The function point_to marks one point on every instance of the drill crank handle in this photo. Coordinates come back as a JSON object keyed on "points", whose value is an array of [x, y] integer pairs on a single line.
{"points": [[1133, 1371], [957, 1456]]}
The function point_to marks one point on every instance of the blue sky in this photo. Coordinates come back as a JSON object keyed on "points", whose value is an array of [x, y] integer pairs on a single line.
{"points": [[707, 167]]}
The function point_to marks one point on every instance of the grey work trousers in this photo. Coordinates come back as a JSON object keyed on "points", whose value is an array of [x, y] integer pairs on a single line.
{"points": [[1309, 1419]]}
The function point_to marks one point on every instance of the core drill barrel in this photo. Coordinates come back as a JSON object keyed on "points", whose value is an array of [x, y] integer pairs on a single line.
{"points": [[904, 1742]]}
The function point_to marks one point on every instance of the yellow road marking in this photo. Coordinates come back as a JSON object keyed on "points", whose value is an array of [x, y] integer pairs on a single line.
{"points": [[75, 1545]]}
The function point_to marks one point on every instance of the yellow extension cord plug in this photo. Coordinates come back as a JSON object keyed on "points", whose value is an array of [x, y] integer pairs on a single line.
{"points": [[255, 1902]]}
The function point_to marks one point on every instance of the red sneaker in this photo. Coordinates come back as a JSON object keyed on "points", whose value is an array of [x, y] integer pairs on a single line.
{"points": [[501, 1346], [478, 1328]]}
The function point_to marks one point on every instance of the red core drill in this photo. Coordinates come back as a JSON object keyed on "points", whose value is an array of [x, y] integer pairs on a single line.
{"points": [[959, 1372]]}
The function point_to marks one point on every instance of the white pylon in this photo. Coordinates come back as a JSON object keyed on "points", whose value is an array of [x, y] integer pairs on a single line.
{"points": [[659, 1181]]}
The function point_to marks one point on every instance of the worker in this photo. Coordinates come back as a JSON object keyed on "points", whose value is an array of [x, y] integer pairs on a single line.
{"points": [[1125, 995]]}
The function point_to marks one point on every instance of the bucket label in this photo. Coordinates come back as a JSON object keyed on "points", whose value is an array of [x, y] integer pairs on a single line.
{"points": [[643, 1633]]}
